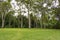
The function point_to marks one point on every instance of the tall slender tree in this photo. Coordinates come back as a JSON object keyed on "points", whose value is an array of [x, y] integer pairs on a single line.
{"points": [[4, 6]]}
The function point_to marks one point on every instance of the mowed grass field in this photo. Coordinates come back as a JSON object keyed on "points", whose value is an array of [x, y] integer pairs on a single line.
{"points": [[29, 34]]}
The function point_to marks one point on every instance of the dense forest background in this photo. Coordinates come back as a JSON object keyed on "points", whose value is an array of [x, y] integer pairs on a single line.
{"points": [[30, 14]]}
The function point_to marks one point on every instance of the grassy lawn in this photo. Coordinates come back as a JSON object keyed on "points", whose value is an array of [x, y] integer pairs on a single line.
{"points": [[29, 34]]}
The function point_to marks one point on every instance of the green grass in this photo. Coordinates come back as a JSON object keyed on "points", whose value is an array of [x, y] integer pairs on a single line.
{"points": [[29, 34]]}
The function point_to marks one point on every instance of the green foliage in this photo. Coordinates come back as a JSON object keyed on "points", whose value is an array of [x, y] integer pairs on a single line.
{"points": [[47, 19]]}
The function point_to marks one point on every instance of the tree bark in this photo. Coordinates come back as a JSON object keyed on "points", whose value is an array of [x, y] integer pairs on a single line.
{"points": [[21, 21], [9, 22], [18, 23], [3, 20], [29, 17]]}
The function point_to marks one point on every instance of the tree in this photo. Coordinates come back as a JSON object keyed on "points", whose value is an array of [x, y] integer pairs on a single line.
{"points": [[20, 13], [8, 18], [28, 4], [4, 7]]}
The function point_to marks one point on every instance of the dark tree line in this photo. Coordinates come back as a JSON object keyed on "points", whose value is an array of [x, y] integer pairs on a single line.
{"points": [[41, 14]]}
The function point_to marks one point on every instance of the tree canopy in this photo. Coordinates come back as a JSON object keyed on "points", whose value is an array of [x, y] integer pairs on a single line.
{"points": [[40, 14]]}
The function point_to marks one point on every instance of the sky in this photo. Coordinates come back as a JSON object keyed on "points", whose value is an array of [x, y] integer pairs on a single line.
{"points": [[16, 7]]}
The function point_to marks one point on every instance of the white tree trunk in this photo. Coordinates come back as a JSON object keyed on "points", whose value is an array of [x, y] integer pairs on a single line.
{"points": [[3, 20], [21, 21], [29, 17]]}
